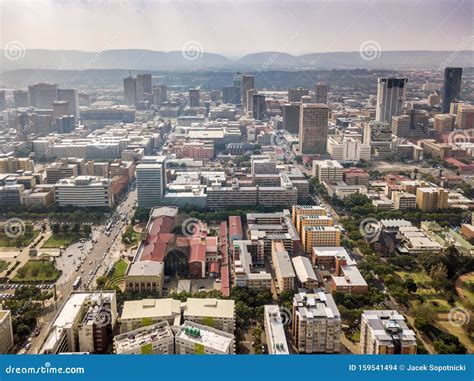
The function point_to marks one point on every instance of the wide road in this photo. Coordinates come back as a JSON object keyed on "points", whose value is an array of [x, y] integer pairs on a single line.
{"points": [[98, 255]]}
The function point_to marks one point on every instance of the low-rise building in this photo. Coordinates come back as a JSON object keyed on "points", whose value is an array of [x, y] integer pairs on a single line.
{"points": [[145, 276], [273, 322], [153, 339], [305, 274], [284, 271], [216, 313], [193, 338], [141, 313]]}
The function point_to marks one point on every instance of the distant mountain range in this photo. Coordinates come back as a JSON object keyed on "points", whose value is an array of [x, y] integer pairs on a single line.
{"points": [[138, 59]]}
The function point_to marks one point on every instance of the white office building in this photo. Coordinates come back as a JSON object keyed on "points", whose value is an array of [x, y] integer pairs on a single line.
{"points": [[151, 181], [84, 191]]}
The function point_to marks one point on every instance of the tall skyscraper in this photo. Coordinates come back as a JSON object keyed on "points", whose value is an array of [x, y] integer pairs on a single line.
{"points": [[159, 94], [247, 84], [130, 90], [20, 98], [291, 117], [313, 132], [143, 86], [151, 181], [321, 93], [451, 87], [249, 104], [194, 98], [42, 95], [70, 96], [259, 108], [294, 95], [390, 97], [231, 94]]}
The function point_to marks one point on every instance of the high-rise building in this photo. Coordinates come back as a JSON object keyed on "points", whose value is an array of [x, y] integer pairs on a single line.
{"points": [[130, 90], [60, 108], [194, 98], [248, 83], [385, 332], [20, 98], [294, 95], [231, 94], [390, 98], [70, 96], [3, 101], [6, 331], [151, 181], [42, 95], [321, 93], [259, 107], [401, 126], [443, 123], [431, 198], [465, 117], [315, 323], [313, 131], [451, 87], [143, 82], [159, 94], [249, 106], [291, 117]]}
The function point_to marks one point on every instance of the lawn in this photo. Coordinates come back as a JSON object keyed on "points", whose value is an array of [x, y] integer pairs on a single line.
{"points": [[61, 239], [420, 277], [119, 268], [41, 271], [21, 241]]}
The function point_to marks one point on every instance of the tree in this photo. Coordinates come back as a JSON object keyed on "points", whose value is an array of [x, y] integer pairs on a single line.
{"points": [[439, 275], [411, 285], [35, 272], [65, 228], [424, 316], [21, 273], [76, 228], [55, 228], [86, 229]]}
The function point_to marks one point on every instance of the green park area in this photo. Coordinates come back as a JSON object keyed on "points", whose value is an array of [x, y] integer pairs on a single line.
{"points": [[37, 271]]}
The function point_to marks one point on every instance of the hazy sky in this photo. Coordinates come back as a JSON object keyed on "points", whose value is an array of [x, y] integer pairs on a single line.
{"points": [[238, 27]]}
